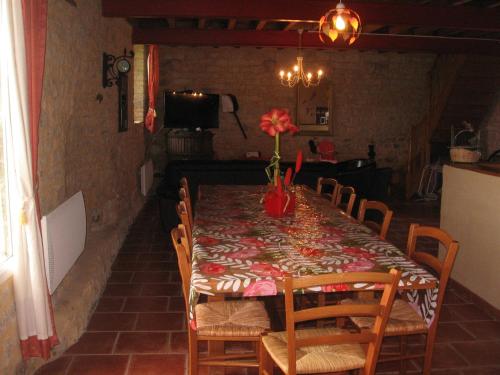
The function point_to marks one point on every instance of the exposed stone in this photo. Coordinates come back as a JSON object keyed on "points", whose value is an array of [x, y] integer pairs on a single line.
{"points": [[81, 149], [376, 97]]}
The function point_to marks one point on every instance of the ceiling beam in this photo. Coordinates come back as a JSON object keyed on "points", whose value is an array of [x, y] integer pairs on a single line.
{"points": [[309, 10], [281, 39]]}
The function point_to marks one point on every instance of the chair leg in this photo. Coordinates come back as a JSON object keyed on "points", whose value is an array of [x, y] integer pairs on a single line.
{"points": [[266, 362], [429, 348], [193, 355]]}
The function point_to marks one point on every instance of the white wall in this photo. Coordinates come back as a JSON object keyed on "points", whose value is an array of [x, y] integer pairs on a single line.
{"points": [[470, 213]]}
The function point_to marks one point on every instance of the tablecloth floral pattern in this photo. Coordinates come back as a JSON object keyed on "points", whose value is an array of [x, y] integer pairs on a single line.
{"points": [[239, 249]]}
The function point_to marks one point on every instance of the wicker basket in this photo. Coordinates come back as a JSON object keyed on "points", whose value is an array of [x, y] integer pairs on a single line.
{"points": [[464, 155]]}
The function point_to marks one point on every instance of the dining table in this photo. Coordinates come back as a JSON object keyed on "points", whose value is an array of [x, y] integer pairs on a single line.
{"points": [[239, 250]]}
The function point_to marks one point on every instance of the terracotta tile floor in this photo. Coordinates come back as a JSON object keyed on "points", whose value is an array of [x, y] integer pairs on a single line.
{"points": [[139, 328]]}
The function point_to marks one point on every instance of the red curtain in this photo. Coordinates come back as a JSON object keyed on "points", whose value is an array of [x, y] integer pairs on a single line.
{"points": [[153, 82], [35, 32]]}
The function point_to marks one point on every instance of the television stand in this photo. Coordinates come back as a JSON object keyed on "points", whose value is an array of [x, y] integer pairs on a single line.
{"points": [[189, 145]]}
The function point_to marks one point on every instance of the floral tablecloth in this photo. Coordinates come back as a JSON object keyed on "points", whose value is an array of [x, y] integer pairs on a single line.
{"points": [[239, 249]]}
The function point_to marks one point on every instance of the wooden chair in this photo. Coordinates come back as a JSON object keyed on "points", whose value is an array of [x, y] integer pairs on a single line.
{"points": [[330, 183], [184, 197], [404, 320], [386, 213], [184, 218], [184, 184], [219, 321], [345, 205], [328, 349]]}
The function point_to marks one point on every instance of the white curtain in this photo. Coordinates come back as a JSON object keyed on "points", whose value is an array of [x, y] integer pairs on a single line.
{"points": [[30, 285]]}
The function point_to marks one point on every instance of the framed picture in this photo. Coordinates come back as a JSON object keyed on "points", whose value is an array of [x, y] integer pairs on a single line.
{"points": [[314, 109]]}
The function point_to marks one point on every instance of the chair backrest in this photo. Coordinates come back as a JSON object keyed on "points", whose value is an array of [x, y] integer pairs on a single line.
{"points": [[183, 196], [345, 204], [327, 182], [184, 218], [380, 228], [184, 184], [183, 260], [372, 337], [441, 268]]}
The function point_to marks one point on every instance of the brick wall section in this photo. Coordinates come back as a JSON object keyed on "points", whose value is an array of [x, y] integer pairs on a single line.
{"points": [[376, 97], [81, 149]]}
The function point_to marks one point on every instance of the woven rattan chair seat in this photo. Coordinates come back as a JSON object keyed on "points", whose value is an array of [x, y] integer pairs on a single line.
{"points": [[315, 359], [402, 320], [231, 318]]}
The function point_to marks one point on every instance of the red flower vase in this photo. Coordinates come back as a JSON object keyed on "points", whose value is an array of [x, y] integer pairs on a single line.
{"points": [[279, 203]]}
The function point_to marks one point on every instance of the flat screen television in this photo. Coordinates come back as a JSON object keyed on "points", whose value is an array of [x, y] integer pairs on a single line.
{"points": [[191, 110]]}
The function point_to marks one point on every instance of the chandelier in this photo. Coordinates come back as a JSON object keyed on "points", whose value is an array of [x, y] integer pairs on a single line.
{"points": [[297, 74], [340, 21]]}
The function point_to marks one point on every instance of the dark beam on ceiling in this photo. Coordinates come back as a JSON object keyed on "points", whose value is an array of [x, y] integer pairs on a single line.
{"points": [[309, 10], [281, 39]]}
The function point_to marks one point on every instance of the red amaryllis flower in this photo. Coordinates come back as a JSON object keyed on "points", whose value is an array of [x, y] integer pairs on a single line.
{"points": [[211, 268], [298, 161], [277, 121]]}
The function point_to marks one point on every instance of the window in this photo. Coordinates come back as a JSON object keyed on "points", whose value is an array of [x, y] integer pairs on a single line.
{"points": [[5, 244], [5, 220], [140, 82]]}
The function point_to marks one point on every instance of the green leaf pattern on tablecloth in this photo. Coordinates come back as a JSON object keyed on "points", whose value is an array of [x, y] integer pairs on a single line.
{"points": [[232, 230]]}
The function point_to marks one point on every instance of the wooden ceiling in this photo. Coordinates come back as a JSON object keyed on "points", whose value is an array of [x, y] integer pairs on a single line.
{"points": [[442, 26]]}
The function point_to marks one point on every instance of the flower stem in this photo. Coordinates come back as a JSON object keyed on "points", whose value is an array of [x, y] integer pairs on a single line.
{"points": [[277, 156]]}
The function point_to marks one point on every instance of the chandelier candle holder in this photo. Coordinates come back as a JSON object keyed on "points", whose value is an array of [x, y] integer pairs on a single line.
{"points": [[340, 21], [298, 73]]}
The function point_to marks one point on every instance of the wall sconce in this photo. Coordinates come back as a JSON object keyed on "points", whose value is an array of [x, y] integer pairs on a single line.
{"points": [[113, 67], [114, 70]]}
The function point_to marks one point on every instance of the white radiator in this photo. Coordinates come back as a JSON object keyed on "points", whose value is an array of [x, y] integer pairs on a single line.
{"points": [[63, 232], [146, 177]]}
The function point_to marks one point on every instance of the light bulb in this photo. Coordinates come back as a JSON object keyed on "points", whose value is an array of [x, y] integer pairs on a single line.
{"points": [[339, 23], [320, 73], [289, 75], [282, 73], [295, 68], [309, 76]]}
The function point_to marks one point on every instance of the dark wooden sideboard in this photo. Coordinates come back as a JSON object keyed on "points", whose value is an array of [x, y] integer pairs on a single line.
{"points": [[189, 145]]}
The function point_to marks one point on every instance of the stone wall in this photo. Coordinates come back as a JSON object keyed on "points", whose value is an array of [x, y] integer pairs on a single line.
{"points": [[81, 149], [377, 97]]}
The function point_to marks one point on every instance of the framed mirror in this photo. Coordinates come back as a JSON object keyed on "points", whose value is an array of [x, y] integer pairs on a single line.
{"points": [[314, 109]]}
